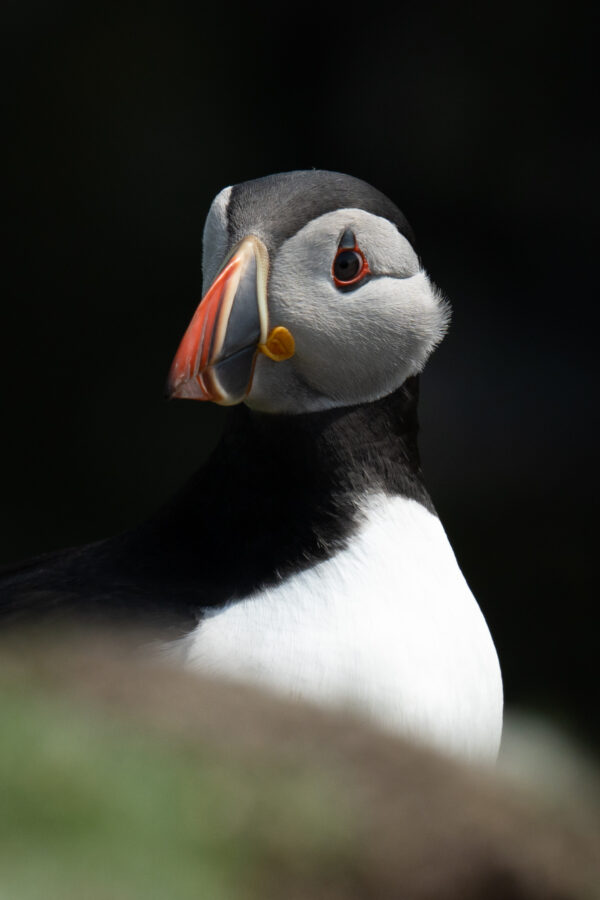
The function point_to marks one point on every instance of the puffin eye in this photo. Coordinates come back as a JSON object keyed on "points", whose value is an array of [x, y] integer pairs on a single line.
{"points": [[349, 266]]}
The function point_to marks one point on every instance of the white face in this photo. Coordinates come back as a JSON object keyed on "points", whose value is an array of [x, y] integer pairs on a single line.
{"points": [[353, 345]]}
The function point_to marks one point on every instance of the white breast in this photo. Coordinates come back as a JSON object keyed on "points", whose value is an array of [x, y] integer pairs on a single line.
{"points": [[387, 627]]}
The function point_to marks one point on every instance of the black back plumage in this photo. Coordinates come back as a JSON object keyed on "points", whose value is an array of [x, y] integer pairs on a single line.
{"points": [[279, 494]]}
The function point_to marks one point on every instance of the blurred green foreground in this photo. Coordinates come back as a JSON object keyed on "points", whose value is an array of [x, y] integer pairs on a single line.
{"points": [[123, 779]]}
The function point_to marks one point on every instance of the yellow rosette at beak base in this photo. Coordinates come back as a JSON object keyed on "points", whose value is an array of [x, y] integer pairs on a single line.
{"points": [[279, 345]]}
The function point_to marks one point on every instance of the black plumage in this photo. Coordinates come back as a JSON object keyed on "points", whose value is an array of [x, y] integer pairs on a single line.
{"points": [[277, 206], [279, 494]]}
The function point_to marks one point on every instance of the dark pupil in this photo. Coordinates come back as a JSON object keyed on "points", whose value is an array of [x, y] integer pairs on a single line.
{"points": [[347, 265]]}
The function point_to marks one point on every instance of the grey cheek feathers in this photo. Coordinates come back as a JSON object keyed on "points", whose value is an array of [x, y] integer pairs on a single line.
{"points": [[350, 347]]}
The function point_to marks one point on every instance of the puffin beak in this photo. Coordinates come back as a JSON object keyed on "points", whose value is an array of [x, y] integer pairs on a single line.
{"points": [[216, 357]]}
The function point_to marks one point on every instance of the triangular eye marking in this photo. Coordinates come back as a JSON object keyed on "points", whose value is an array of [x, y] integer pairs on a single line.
{"points": [[347, 240], [349, 266]]}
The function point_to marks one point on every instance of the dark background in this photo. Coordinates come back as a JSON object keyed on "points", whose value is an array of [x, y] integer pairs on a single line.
{"points": [[124, 122]]}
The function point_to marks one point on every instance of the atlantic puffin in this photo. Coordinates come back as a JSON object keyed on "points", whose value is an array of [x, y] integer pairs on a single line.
{"points": [[306, 555]]}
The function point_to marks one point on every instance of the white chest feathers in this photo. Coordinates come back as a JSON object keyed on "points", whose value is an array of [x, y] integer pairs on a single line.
{"points": [[387, 627]]}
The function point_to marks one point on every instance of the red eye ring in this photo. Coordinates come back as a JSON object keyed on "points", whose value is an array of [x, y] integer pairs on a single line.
{"points": [[362, 271]]}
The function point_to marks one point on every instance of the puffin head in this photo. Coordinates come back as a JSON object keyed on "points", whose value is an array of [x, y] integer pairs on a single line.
{"points": [[314, 297]]}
